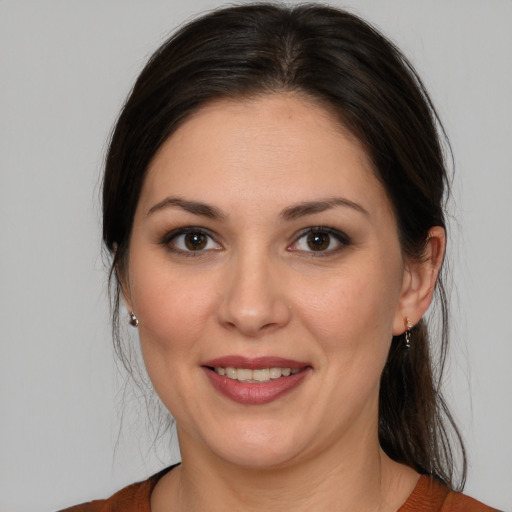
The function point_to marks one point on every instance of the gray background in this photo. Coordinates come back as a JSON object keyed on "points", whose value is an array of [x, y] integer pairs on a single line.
{"points": [[66, 67]]}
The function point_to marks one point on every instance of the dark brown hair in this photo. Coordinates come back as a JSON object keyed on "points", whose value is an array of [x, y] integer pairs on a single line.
{"points": [[340, 61]]}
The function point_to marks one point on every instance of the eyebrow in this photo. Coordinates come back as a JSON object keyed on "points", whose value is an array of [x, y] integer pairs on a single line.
{"points": [[195, 207], [288, 214], [312, 207]]}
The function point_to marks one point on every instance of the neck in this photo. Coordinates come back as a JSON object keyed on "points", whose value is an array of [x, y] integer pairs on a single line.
{"points": [[355, 476]]}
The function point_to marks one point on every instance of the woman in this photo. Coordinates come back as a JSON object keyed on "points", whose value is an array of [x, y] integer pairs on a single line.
{"points": [[273, 201]]}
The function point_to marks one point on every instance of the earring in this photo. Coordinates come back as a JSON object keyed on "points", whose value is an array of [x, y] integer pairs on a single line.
{"points": [[408, 334], [133, 320]]}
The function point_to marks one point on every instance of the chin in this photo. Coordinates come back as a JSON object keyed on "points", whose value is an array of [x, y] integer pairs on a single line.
{"points": [[258, 458], [258, 448]]}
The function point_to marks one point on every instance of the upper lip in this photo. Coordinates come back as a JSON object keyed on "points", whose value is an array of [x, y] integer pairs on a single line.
{"points": [[234, 361]]}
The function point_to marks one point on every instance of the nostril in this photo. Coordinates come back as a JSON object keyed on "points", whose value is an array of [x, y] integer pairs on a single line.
{"points": [[251, 299], [256, 319]]}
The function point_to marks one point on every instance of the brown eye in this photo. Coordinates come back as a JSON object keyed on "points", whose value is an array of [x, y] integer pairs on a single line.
{"points": [[318, 241], [190, 241], [324, 241], [195, 241]]}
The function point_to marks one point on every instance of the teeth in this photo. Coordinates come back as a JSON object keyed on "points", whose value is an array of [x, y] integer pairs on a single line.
{"points": [[259, 375], [243, 374], [275, 373]]}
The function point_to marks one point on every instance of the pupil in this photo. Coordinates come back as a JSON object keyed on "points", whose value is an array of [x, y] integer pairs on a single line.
{"points": [[318, 241], [195, 241]]}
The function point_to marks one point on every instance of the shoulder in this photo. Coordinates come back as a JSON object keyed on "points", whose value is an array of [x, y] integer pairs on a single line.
{"points": [[134, 498], [432, 496], [457, 502]]}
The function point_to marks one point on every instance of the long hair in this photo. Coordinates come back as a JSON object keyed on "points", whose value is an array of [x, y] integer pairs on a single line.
{"points": [[347, 66]]}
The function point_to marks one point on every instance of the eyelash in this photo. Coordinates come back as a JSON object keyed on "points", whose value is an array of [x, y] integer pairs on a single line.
{"points": [[169, 241], [341, 239]]}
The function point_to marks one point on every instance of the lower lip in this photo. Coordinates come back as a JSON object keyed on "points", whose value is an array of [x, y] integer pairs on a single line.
{"points": [[255, 393]]}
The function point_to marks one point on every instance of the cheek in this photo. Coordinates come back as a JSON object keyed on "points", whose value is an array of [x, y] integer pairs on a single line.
{"points": [[172, 308], [350, 308], [174, 318], [173, 315]]}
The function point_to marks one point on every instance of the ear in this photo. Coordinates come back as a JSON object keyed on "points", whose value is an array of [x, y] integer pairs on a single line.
{"points": [[419, 280]]}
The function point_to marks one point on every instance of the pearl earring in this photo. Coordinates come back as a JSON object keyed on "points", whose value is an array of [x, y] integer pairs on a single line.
{"points": [[133, 320]]}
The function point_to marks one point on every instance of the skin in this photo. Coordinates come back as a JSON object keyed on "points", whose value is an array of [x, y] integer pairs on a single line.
{"points": [[258, 289]]}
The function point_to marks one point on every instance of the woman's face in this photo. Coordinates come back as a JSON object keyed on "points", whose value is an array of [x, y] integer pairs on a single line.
{"points": [[263, 245]]}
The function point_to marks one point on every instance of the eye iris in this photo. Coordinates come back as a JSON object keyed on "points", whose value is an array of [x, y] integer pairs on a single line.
{"points": [[195, 241], [318, 241]]}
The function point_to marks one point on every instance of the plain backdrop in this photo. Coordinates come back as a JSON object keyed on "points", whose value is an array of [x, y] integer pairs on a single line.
{"points": [[65, 68]]}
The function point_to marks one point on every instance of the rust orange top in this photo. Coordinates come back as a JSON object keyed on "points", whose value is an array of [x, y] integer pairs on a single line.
{"points": [[428, 496]]}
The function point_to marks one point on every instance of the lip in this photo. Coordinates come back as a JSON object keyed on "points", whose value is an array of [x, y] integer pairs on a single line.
{"points": [[255, 393], [255, 363]]}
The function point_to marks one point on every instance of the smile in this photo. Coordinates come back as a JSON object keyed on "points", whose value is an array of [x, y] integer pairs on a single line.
{"points": [[256, 375], [255, 381]]}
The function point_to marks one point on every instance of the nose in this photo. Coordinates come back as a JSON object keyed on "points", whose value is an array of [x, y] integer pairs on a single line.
{"points": [[253, 297]]}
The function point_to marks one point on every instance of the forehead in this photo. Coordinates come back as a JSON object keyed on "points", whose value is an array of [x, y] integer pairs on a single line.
{"points": [[278, 148]]}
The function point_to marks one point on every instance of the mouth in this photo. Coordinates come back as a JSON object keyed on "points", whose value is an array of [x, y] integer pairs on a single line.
{"points": [[255, 381], [256, 375]]}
